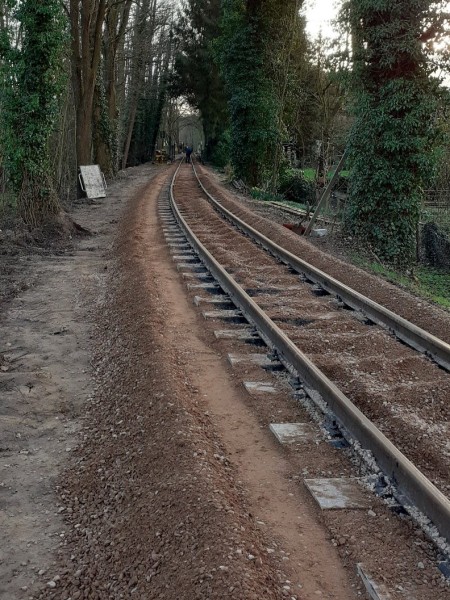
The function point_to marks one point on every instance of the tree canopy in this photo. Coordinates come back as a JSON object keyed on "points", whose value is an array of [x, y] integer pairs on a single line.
{"points": [[103, 81]]}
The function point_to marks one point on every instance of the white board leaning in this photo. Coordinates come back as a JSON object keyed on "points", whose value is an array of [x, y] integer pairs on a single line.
{"points": [[92, 181]]}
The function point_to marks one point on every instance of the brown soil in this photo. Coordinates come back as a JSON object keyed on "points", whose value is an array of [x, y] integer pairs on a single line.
{"points": [[134, 465]]}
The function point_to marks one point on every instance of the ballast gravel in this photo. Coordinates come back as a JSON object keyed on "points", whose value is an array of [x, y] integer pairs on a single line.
{"points": [[267, 220]]}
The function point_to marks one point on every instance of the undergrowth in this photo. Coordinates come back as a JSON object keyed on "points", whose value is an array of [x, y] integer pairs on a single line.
{"points": [[310, 174], [259, 194], [8, 210]]}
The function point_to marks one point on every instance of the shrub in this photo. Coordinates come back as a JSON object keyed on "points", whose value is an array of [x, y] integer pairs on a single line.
{"points": [[296, 188], [260, 194], [220, 155]]}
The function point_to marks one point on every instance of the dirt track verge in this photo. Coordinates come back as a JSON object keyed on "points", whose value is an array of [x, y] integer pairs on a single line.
{"points": [[151, 505], [45, 378]]}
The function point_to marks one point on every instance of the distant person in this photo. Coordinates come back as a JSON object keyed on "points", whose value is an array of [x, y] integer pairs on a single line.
{"points": [[188, 154]]}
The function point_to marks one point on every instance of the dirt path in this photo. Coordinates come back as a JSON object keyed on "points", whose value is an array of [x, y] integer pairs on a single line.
{"points": [[131, 464]]}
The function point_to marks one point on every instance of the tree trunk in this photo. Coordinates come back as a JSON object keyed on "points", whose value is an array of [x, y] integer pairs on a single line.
{"points": [[131, 122], [102, 132], [105, 105], [144, 31], [86, 24], [84, 131]]}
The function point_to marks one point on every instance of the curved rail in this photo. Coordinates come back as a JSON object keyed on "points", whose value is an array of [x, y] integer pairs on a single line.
{"points": [[414, 336], [401, 471]]}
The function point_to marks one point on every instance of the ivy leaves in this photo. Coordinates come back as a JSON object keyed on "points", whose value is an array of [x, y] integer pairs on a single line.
{"points": [[392, 146], [32, 79], [252, 101]]}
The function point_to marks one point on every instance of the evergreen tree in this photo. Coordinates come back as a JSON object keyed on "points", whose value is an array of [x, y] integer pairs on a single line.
{"points": [[252, 98], [196, 74], [392, 144]]}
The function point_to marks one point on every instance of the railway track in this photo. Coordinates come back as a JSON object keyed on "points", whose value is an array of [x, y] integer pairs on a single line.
{"points": [[343, 348]]}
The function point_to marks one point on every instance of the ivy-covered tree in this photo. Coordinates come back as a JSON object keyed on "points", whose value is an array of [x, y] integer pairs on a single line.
{"points": [[196, 73], [285, 62], [393, 141], [261, 45], [32, 80], [252, 99]]}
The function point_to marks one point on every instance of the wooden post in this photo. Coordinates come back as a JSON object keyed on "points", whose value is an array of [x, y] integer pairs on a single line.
{"points": [[326, 193]]}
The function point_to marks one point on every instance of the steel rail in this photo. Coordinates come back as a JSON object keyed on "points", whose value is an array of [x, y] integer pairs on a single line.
{"points": [[410, 482], [414, 336], [298, 212]]}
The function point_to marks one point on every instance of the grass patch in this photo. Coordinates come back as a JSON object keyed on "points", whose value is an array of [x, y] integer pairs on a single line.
{"points": [[436, 284], [428, 282], [259, 194], [309, 174]]}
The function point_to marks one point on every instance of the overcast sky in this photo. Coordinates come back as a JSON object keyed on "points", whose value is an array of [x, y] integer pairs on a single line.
{"points": [[319, 14]]}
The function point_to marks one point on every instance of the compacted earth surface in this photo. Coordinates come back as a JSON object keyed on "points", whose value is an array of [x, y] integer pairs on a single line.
{"points": [[131, 463]]}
